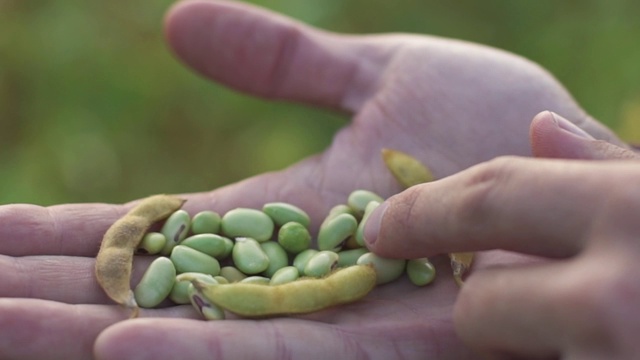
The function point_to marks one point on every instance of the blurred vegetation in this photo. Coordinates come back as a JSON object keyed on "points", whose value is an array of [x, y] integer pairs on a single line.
{"points": [[93, 107]]}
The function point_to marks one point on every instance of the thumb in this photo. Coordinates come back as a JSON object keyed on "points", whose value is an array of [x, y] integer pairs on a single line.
{"points": [[553, 136]]}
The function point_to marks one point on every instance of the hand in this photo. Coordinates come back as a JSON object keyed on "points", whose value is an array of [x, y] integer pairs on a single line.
{"points": [[579, 298], [450, 103]]}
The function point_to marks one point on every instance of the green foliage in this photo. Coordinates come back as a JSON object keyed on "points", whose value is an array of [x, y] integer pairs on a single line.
{"points": [[93, 106]]}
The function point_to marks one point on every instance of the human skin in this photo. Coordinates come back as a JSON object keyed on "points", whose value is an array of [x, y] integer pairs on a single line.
{"points": [[449, 103]]}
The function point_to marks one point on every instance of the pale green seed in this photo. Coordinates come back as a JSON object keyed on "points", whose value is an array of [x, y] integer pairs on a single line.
{"points": [[156, 283], [206, 222], [421, 271], [359, 199], [321, 264], [294, 237], [210, 244], [204, 307], [387, 270], [259, 280], [187, 259], [350, 257], [338, 210], [249, 257], [221, 279], [243, 222], [232, 274], [228, 248], [278, 257], [179, 293], [285, 275], [175, 229], [372, 205], [282, 213], [152, 243], [300, 261], [335, 232]]}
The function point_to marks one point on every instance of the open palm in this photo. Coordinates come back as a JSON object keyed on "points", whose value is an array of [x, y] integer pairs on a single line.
{"points": [[449, 103]]}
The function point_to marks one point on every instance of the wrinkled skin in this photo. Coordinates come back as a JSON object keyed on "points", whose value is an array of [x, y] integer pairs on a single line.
{"points": [[449, 103]]}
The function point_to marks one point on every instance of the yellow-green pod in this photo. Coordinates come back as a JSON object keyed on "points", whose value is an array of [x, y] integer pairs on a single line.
{"points": [[302, 296]]}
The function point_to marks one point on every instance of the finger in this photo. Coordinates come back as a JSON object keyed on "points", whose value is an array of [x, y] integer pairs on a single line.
{"points": [[525, 205], [39, 329], [285, 338], [512, 311], [257, 51], [553, 136], [68, 279]]}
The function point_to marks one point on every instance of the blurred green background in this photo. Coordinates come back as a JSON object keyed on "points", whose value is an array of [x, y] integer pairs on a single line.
{"points": [[93, 107]]}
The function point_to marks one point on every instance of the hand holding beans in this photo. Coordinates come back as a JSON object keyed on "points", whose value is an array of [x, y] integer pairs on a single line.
{"points": [[443, 101]]}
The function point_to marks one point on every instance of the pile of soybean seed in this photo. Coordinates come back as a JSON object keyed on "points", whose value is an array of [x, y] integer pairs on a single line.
{"points": [[271, 246]]}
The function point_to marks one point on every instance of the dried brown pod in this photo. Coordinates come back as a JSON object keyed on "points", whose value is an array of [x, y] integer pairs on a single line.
{"points": [[115, 257]]}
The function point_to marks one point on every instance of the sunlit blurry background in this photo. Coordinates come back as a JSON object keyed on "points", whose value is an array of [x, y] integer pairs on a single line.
{"points": [[93, 107]]}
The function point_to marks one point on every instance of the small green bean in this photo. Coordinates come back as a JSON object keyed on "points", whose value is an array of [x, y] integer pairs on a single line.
{"points": [[359, 199], [175, 229], [179, 293], [206, 222], [187, 259], [232, 274], [387, 270], [156, 283], [258, 280], [301, 260], [243, 222], [294, 237], [350, 257], [210, 244], [249, 257], [336, 231], [321, 264], [278, 257], [282, 213], [421, 271], [152, 243], [285, 275]]}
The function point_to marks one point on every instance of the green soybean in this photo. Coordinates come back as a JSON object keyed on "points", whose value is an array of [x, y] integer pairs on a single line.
{"points": [[301, 296], [175, 229], [294, 237], [278, 257], [336, 231], [359, 199], [210, 244], [152, 243], [203, 306], [300, 261], [285, 275], [321, 264], [187, 259], [421, 271], [156, 283], [372, 205], [249, 257], [206, 222], [232, 274], [179, 293], [244, 222], [350, 257], [387, 270], [282, 213]]}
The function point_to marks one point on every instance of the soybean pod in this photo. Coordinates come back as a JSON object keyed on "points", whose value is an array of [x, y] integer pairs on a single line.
{"points": [[115, 257], [301, 296]]}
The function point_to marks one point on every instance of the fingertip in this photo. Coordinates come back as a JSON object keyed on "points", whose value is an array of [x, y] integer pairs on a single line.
{"points": [[372, 227]]}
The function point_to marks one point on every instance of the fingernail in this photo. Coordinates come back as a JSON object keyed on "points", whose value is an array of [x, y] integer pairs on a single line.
{"points": [[570, 127], [372, 227]]}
